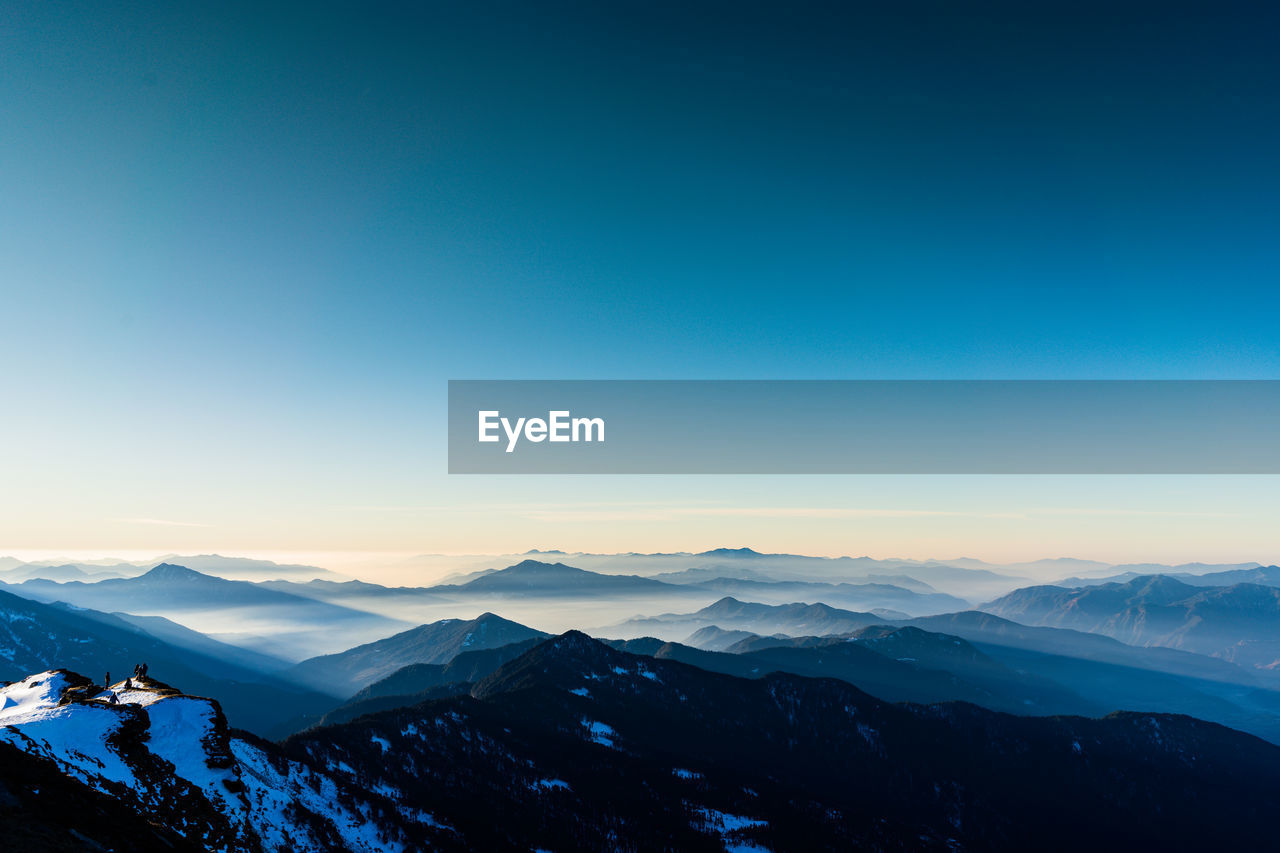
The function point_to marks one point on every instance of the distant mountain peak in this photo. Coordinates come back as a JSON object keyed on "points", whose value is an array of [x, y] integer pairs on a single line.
{"points": [[1162, 582], [487, 619], [483, 620], [564, 660], [438, 643], [539, 566], [539, 578], [174, 572], [575, 640], [730, 552]]}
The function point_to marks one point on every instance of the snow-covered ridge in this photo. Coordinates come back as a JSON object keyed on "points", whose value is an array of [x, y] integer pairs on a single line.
{"points": [[173, 759]]}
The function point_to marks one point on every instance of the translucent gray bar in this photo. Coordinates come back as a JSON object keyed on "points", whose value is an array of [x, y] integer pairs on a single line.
{"points": [[868, 427]]}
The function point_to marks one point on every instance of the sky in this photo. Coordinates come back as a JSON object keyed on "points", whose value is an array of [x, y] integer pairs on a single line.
{"points": [[245, 246]]}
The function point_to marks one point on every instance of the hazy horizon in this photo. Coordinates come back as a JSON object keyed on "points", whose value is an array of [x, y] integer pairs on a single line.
{"points": [[422, 568]]}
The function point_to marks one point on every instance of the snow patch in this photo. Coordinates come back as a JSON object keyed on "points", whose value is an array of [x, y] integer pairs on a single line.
{"points": [[730, 827], [599, 732]]}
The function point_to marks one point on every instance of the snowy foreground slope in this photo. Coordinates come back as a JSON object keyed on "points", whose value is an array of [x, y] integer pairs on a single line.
{"points": [[576, 747], [173, 761]]}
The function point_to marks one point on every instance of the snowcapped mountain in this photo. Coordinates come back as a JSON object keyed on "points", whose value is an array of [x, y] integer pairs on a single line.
{"points": [[172, 760]]}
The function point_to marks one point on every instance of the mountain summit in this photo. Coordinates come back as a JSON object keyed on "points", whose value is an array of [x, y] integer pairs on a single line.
{"points": [[1239, 623], [531, 577], [440, 642], [173, 573]]}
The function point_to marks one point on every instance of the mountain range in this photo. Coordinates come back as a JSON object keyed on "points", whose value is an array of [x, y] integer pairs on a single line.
{"points": [[531, 577], [864, 596], [1119, 676], [438, 643], [231, 568], [240, 612], [582, 747], [1244, 573], [939, 669], [795, 619], [419, 682], [575, 746], [878, 662], [1105, 673], [1239, 623], [34, 637]]}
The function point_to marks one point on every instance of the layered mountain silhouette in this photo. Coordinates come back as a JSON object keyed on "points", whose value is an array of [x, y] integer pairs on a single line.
{"points": [[1003, 666], [713, 638], [166, 585], [419, 682], [232, 568], [1084, 670], [866, 596], [582, 747], [943, 669], [35, 637], [531, 577], [966, 578], [1240, 623], [883, 669], [574, 746], [258, 617], [345, 673], [795, 619], [1195, 574], [1116, 675]]}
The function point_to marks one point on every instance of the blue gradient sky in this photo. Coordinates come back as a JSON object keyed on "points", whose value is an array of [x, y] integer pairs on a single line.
{"points": [[244, 248]]}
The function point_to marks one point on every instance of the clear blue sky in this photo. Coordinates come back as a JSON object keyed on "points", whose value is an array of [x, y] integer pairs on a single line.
{"points": [[244, 247]]}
